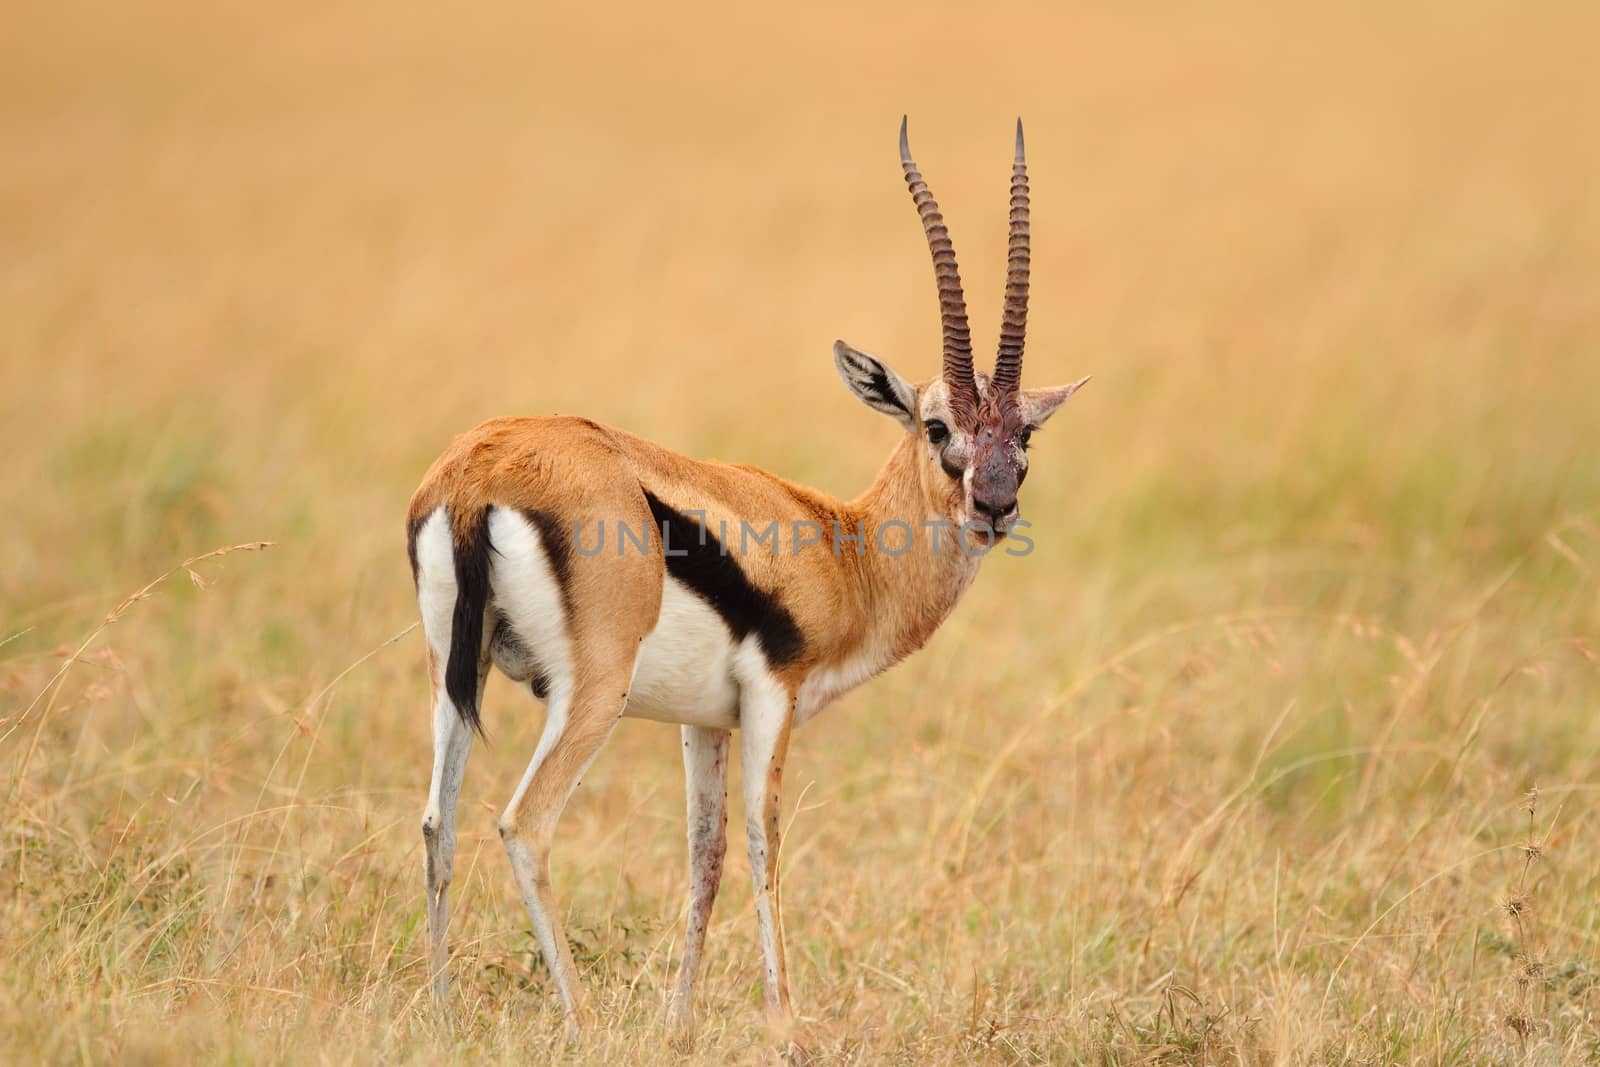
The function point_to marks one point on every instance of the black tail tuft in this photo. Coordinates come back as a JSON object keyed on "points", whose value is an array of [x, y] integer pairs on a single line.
{"points": [[470, 537]]}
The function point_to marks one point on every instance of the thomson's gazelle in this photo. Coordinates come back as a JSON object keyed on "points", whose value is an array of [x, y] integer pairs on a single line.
{"points": [[612, 577]]}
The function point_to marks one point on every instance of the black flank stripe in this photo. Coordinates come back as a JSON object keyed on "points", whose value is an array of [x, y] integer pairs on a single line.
{"points": [[698, 562]]}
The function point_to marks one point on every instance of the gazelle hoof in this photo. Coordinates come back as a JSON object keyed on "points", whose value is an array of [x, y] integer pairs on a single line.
{"points": [[680, 1029]]}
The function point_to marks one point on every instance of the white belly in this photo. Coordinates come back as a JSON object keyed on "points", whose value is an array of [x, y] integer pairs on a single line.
{"points": [[685, 669]]}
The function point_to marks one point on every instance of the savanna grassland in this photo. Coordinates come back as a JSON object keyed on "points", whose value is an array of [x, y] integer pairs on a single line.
{"points": [[1234, 768]]}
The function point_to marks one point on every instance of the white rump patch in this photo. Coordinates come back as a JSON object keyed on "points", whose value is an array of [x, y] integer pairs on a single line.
{"points": [[524, 589], [436, 584]]}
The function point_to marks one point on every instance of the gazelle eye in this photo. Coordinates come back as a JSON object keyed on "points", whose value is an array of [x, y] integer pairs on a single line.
{"points": [[938, 432]]}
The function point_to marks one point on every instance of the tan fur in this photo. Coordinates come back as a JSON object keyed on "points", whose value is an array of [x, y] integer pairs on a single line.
{"points": [[864, 583], [841, 602], [859, 609], [583, 471]]}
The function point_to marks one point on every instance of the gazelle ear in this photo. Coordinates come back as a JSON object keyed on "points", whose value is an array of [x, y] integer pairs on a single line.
{"points": [[880, 388], [1040, 404]]}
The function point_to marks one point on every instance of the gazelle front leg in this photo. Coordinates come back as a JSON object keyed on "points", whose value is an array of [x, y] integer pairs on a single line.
{"points": [[705, 772], [765, 716]]}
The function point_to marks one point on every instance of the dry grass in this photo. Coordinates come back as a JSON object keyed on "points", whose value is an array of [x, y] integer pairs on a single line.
{"points": [[1232, 769]]}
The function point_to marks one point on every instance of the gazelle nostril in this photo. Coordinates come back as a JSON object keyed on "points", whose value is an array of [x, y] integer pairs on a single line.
{"points": [[994, 511]]}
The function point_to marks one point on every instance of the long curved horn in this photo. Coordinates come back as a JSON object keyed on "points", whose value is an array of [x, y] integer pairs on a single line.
{"points": [[952, 304], [1014, 319]]}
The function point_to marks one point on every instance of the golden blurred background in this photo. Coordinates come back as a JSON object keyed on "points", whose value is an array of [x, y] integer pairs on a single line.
{"points": [[1229, 770]]}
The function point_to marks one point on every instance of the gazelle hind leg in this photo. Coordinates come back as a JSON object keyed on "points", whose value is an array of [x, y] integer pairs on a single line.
{"points": [[705, 770], [452, 738], [576, 728], [452, 742]]}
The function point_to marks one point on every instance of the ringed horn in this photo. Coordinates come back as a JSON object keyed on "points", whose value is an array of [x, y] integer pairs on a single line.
{"points": [[1014, 319], [958, 373], [952, 303]]}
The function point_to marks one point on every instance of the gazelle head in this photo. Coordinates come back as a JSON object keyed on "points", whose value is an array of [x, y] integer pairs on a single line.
{"points": [[973, 427]]}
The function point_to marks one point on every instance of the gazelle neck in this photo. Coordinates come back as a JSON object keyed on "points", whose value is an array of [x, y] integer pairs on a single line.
{"points": [[907, 594], [900, 597]]}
